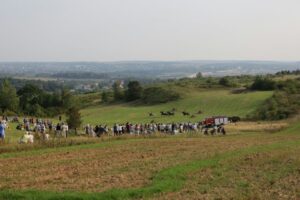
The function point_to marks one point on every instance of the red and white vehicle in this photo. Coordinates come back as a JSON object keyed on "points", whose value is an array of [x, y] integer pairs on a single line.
{"points": [[215, 121]]}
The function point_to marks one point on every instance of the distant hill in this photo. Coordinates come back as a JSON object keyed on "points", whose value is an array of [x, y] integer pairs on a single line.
{"points": [[78, 75], [147, 69]]}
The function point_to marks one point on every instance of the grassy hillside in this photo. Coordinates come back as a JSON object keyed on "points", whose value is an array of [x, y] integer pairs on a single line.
{"points": [[243, 166], [210, 102], [255, 160]]}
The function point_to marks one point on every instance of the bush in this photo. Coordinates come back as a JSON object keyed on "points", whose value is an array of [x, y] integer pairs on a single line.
{"points": [[263, 84], [283, 104], [276, 109], [225, 82], [107, 97], [155, 95]]}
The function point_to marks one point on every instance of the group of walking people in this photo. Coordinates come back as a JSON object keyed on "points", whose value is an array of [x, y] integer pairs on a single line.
{"points": [[144, 129], [34, 127], [43, 128]]}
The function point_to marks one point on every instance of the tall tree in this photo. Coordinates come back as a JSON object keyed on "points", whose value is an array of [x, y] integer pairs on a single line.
{"points": [[199, 75], [118, 94], [67, 99], [104, 97], [74, 118], [224, 81], [8, 97], [134, 91], [30, 95]]}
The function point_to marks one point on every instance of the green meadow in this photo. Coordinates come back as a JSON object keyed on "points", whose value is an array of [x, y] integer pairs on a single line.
{"points": [[210, 102]]}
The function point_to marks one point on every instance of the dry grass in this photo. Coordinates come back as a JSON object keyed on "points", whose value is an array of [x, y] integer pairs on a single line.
{"points": [[257, 126], [133, 162], [123, 166], [267, 175]]}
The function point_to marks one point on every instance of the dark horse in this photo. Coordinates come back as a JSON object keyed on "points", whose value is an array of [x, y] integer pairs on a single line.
{"points": [[185, 113], [171, 113], [234, 119], [163, 113], [168, 113]]}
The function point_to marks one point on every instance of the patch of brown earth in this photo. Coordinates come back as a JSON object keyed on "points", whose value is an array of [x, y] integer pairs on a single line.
{"points": [[119, 166]]}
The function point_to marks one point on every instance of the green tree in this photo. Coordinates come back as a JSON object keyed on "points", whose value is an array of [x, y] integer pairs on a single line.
{"points": [[104, 97], [209, 82], [74, 118], [263, 84], [117, 91], [67, 99], [134, 91], [156, 95], [8, 97], [34, 101], [224, 81], [29, 95], [199, 75]]}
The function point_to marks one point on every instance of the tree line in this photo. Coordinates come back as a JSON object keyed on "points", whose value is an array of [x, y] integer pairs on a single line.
{"points": [[32, 101], [136, 92]]}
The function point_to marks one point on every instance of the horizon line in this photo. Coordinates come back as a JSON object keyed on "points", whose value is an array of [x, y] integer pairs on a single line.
{"points": [[147, 60]]}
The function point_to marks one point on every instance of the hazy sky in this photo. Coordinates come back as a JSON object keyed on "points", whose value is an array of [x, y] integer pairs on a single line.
{"points": [[109, 30]]}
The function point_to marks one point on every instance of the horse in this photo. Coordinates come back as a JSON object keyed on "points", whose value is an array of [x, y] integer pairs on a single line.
{"points": [[199, 112], [234, 119], [171, 113], [164, 113], [185, 113]]}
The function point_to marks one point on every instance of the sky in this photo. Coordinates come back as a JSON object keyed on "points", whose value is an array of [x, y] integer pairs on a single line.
{"points": [[115, 30]]}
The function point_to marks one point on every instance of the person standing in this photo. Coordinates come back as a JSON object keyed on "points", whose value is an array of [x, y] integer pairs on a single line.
{"points": [[64, 130], [2, 131]]}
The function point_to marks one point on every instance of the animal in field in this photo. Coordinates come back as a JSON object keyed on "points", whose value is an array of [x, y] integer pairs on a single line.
{"points": [[234, 119], [199, 112], [164, 113], [171, 113], [151, 114], [185, 113], [193, 116], [168, 113]]}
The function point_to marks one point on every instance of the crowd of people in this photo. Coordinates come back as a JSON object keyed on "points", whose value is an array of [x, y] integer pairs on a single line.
{"points": [[150, 128], [43, 128], [34, 127]]}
